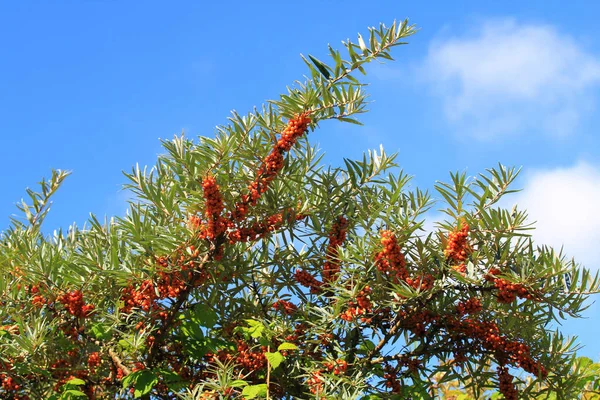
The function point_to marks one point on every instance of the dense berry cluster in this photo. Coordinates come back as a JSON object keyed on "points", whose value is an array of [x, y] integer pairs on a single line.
{"points": [[175, 275], [361, 306], [506, 386], [488, 335], [457, 249], [390, 260], [74, 304], [507, 291], [37, 299], [422, 282], [460, 268], [247, 360], [315, 383], [390, 377], [470, 306], [262, 228], [308, 280], [391, 263], [416, 320], [93, 361], [284, 306], [337, 367], [216, 224], [272, 164], [337, 236], [142, 297], [10, 386]]}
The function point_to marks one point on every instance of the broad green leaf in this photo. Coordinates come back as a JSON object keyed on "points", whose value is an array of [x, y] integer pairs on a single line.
{"points": [[287, 346], [130, 379], [320, 66], [101, 332], [206, 316], [144, 383], [75, 382], [253, 391], [73, 394], [275, 359], [238, 383]]}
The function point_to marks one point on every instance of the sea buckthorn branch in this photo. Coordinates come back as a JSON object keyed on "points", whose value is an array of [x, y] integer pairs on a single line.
{"points": [[271, 165], [493, 188], [383, 40], [337, 236], [177, 305], [40, 201], [118, 362]]}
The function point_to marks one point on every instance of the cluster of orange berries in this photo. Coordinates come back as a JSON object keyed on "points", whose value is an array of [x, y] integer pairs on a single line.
{"points": [[422, 283], [62, 370], [460, 268], [390, 261], [315, 382], [169, 283], [337, 236], [361, 306], [457, 249], [520, 354], [37, 300], [142, 297], [299, 332], [391, 379], [325, 338], [250, 360], [8, 383], [272, 163], [285, 306], [308, 280], [74, 304], [489, 336], [12, 329], [471, 306], [506, 386], [260, 229], [337, 367], [138, 366], [417, 321], [93, 361], [216, 224], [507, 291]]}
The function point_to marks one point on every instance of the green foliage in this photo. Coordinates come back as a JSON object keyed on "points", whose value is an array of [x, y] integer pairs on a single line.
{"points": [[584, 376]]}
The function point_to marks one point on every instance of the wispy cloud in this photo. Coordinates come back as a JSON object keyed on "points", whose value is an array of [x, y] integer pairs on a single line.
{"points": [[506, 77], [564, 202]]}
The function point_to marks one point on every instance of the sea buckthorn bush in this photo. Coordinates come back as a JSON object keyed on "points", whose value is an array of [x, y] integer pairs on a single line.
{"points": [[245, 268]]}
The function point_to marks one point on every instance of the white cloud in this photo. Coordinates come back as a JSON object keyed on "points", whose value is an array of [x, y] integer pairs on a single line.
{"points": [[564, 202], [507, 78]]}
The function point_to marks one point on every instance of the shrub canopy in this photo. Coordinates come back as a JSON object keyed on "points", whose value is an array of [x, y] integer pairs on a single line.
{"points": [[246, 268]]}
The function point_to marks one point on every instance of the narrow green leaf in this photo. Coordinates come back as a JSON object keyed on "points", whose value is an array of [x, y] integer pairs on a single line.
{"points": [[320, 66]]}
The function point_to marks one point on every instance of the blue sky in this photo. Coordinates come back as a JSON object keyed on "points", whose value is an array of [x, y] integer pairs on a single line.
{"points": [[90, 86]]}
